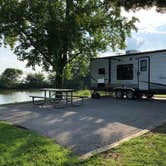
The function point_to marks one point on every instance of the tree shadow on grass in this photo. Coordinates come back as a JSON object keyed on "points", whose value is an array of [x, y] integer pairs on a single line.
{"points": [[23, 147]]}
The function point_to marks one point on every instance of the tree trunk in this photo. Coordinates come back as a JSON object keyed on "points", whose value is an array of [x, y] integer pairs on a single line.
{"points": [[59, 81], [62, 62], [59, 76]]}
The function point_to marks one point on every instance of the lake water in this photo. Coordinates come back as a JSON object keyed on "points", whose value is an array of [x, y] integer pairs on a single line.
{"points": [[12, 96]]}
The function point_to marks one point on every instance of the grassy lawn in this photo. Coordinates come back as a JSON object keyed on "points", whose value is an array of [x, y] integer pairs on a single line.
{"points": [[19, 147], [83, 92], [146, 150], [161, 95]]}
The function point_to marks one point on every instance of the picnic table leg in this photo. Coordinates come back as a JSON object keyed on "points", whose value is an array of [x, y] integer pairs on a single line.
{"points": [[71, 98], [66, 97], [33, 100], [45, 95], [82, 100], [55, 96], [49, 95]]}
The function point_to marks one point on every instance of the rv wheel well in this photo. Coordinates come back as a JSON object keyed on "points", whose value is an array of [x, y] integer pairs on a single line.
{"points": [[124, 89]]}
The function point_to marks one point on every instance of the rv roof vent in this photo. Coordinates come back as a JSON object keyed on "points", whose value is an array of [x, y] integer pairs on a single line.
{"points": [[131, 51]]}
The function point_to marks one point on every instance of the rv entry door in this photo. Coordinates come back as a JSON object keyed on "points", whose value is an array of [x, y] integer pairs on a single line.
{"points": [[143, 73]]}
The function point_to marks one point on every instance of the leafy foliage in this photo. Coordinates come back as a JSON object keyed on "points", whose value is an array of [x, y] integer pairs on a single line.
{"points": [[35, 80], [78, 82], [52, 78], [53, 33], [141, 4], [10, 78]]}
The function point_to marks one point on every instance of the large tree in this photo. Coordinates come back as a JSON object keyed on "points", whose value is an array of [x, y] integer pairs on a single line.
{"points": [[10, 78], [57, 33], [141, 4]]}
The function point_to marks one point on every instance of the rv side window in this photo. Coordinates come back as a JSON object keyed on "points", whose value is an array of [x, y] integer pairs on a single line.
{"points": [[101, 71], [125, 72], [143, 65]]}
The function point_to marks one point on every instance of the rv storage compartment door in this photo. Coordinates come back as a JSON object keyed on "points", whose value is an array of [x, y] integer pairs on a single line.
{"points": [[143, 73], [99, 73]]}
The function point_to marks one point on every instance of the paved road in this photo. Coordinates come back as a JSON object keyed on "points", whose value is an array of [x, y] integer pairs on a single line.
{"points": [[95, 124]]}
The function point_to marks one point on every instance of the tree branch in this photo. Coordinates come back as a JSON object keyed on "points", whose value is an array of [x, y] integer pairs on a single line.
{"points": [[33, 44], [73, 57]]}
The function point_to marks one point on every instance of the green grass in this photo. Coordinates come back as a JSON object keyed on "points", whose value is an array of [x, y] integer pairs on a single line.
{"points": [[19, 147], [146, 150], [83, 93], [160, 95]]}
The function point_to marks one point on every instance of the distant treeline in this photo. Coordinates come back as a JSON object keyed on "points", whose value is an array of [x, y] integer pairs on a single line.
{"points": [[12, 79]]}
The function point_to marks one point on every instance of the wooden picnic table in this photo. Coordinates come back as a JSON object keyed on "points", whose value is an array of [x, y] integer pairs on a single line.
{"points": [[55, 96], [66, 94]]}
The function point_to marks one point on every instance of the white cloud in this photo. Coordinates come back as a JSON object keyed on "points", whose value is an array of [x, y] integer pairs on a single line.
{"points": [[150, 20], [151, 34], [146, 41], [9, 60]]}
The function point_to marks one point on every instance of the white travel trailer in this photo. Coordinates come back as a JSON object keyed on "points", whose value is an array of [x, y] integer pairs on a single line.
{"points": [[130, 75]]}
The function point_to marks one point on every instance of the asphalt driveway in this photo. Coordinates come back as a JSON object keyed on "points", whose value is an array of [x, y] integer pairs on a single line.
{"points": [[93, 125]]}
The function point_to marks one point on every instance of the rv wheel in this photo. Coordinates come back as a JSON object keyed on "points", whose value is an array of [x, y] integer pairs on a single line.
{"points": [[138, 96], [149, 96], [130, 94], [119, 94]]}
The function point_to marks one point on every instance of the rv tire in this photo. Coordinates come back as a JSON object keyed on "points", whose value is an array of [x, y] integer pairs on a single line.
{"points": [[130, 94], [138, 95], [119, 94], [149, 96]]}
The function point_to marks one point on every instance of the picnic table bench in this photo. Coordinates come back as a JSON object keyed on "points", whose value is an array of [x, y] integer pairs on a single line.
{"points": [[33, 98], [81, 97], [42, 97]]}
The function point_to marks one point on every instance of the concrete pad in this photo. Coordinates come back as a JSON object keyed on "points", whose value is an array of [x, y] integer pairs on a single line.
{"points": [[96, 124]]}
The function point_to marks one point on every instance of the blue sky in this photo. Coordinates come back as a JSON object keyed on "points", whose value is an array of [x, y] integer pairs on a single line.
{"points": [[151, 35]]}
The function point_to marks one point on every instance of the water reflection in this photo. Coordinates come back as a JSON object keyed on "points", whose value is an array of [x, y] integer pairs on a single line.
{"points": [[11, 96]]}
